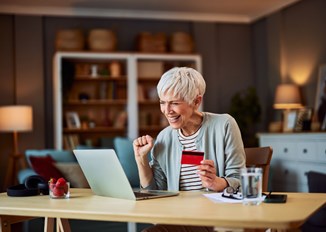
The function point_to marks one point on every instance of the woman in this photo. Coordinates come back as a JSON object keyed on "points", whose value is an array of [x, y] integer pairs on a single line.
{"points": [[181, 92]]}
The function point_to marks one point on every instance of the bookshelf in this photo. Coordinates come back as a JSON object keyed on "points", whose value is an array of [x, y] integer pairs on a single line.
{"points": [[112, 94]]}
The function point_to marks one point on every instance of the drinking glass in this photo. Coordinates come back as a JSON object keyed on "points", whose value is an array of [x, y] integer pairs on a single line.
{"points": [[251, 185]]}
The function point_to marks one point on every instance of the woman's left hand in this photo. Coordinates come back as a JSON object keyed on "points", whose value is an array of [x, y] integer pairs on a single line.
{"points": [[207, 173]]}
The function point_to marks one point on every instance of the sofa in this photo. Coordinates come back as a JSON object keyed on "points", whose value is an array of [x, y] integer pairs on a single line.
{"points": [[66, 164], [46, 161], [60, 156]]}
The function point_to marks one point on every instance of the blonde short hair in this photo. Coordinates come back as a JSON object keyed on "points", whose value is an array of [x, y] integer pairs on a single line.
{"points": [[182, 83]]}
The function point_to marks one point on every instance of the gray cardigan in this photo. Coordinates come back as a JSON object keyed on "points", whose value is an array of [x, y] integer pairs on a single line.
{"points": [[219, 138]]}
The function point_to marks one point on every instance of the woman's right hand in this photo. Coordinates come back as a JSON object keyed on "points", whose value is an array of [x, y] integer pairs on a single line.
{"points": [[142, 145]]}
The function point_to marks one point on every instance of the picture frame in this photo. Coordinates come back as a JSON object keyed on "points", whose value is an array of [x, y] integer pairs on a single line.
{"points": [[289, 120], [73, 121], [303, 119], [320, 102]]}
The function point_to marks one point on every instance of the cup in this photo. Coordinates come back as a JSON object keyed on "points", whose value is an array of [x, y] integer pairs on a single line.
{"points": [[251, 185], [59, 192]]}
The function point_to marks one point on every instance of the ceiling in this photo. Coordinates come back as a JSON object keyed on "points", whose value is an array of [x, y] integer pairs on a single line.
{"points": [[233, 11]]}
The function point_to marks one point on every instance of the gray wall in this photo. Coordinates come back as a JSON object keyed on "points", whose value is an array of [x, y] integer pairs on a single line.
{"points": [[7, 87], [289, 46], [286, 46], [21, 75]]}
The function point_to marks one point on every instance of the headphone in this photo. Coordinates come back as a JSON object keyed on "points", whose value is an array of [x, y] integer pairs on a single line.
{"points": [[33, 185]]}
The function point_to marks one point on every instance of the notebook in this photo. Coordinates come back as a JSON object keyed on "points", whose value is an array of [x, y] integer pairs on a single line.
{"points": [[106, 177]]}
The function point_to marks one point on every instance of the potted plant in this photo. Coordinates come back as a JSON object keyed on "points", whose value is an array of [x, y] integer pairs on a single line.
{"points": [[245, 108]]}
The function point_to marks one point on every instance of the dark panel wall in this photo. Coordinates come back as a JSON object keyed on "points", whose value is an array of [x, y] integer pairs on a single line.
{"points": [[305, 36], [30, 76], [227, 62], [267, 63], [289, 46], [7, 87], [21, 73], [235, 62]]}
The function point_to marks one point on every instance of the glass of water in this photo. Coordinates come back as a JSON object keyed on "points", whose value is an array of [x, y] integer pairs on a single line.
{"points": [[251, 185]]}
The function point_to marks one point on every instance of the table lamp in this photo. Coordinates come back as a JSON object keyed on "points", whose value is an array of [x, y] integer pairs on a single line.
{"points": [[17, 118], [287, 98]]}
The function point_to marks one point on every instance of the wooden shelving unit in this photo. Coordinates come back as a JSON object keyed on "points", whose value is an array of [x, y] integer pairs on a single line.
{"points": [[107, 106]]}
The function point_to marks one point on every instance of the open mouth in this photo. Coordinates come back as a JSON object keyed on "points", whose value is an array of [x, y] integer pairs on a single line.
{"points": [[173, 119]]}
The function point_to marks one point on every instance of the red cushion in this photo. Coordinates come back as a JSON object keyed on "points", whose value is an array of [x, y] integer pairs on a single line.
{"points": [[44, 166]]}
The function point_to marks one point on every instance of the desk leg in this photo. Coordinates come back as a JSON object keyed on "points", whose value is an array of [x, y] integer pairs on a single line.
{"points": [[48, 224], [132, 227], [61, 224]]}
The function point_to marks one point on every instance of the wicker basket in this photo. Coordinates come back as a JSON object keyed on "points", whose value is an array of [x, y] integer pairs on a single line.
{"points": [[102, 40], [69, 40], [181, 42], [148, 42]]}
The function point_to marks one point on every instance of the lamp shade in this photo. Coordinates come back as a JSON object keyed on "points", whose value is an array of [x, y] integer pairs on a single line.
{"points": [[287, 96], [16, 118]]}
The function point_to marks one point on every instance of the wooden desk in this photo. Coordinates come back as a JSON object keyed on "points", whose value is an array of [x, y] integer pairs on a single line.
{"points": [[190, 208]]}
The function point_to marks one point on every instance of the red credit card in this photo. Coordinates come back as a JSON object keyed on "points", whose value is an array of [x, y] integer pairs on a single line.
{"points": [[192, 157]]}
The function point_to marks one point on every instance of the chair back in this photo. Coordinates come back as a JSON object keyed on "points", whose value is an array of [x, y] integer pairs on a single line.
{"points": [[125, 152], [316, 184], [260, 157]]}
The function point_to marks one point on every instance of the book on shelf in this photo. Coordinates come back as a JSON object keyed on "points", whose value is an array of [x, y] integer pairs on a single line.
{"points": [[141, 93], [111, 91], [120, 120], [70, 141]]}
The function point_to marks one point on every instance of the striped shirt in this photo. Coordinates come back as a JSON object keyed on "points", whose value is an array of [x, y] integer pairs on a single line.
{"points": [[189, 179]]}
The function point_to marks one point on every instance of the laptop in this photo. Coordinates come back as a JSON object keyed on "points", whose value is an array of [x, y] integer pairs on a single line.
{"points": [[106, 176]]}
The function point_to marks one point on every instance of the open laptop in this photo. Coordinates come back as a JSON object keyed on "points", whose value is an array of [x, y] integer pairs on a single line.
{"points": [[106, 177]]}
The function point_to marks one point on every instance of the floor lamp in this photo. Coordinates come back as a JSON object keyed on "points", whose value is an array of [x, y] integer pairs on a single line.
{"points": [[15, 119]]}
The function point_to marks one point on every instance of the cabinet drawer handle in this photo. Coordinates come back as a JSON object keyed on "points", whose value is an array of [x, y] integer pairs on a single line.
{"points": [[305, 151], [286, 150]]}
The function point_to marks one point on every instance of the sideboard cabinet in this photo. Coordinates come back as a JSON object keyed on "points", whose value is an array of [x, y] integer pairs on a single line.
{"points": [[294, 154]]}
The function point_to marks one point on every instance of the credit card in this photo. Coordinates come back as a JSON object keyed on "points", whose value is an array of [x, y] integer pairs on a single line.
{"points": [[192, 157]]}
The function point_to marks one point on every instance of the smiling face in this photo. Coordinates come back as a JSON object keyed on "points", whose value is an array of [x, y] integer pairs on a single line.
{"points": [[181, 91], [180, 114]]}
